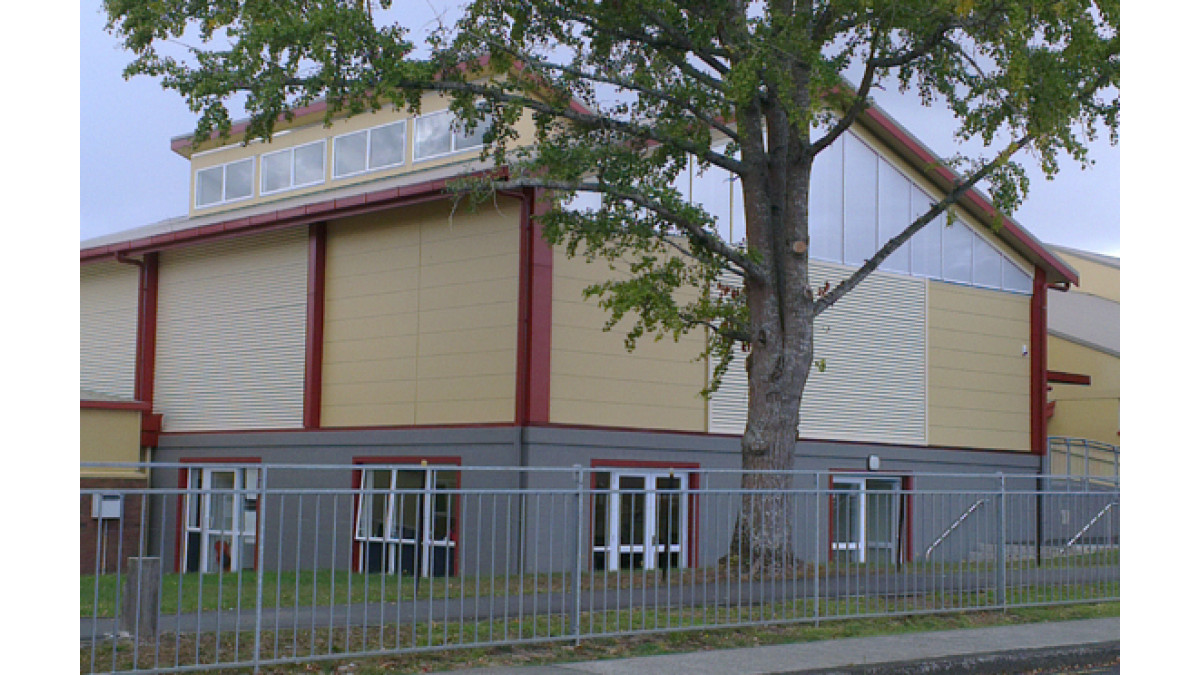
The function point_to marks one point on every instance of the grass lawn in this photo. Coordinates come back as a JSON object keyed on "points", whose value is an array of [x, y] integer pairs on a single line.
{"points": [[191, 592], [433, 647]]}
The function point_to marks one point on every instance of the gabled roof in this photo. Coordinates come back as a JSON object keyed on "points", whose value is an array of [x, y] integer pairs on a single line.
{"points": [[1098, 258], [322, 205], [903, 143]]}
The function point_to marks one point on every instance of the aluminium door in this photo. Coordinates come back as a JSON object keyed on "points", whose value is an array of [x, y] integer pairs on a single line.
{"points": [[642, 520]]}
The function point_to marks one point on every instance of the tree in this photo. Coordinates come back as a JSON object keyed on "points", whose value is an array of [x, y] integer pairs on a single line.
{"points": [[624, 92]]}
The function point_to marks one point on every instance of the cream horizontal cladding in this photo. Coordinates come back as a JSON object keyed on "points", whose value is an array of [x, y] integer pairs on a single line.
{"points": [[978, 367], [872, 345], [231, 333], [421, 316], [594, 380], [109, 436], [1091, 411], [108, 317]]}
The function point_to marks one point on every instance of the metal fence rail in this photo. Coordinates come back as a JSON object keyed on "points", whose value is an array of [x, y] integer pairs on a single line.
{"points": [[251, 565]]}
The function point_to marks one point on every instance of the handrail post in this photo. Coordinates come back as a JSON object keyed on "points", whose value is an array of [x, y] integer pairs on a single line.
{"points": [[580, 528], [1001, 552]]}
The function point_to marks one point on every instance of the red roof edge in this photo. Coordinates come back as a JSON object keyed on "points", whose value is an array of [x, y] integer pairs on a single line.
{"points": [[288, 217]]}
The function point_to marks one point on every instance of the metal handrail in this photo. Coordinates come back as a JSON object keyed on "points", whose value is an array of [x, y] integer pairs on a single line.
{"points": [[1091, 522], [953, 526], [1105, 453]]}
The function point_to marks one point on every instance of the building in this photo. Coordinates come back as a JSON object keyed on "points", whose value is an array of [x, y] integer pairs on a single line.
{"points": [[1084, 360], [324, 303]]}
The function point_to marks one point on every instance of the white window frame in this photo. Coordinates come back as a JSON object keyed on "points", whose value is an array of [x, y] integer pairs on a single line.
{"points": [[241, 531], [291, 152], [855, 487], [367, 156], [393, 539], [650, 547], [224, 183], [454, 150]]}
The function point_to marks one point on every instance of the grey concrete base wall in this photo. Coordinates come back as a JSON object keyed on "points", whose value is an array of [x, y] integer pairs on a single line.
{"points": [[309, 515], [311, 523]]}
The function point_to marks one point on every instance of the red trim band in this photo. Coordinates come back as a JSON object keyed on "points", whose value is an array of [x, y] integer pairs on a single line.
{"points": [[314, 336], [1060, 377], [1037, 364], [308, 214], [534, 307], [88, 404]]}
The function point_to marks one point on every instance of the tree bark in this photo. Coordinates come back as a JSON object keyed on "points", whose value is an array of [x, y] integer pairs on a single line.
{"points": [[781, 347]]}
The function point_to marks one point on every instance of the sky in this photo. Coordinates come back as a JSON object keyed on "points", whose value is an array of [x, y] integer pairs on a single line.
{"points": [[129, 177]]}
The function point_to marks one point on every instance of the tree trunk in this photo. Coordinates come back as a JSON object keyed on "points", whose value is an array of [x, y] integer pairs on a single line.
{"points": [[781, 344]]}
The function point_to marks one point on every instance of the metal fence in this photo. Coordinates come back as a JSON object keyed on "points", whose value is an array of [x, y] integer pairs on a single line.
{"points": [[249, 565]]}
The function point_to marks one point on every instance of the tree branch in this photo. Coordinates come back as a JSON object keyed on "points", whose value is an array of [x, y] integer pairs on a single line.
{"points": [[709, 240], [826, 301]]}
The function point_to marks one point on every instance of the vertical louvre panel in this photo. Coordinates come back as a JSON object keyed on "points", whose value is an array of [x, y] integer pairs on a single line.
{"points": [[108, 298], [873, 386], [231, 326]]}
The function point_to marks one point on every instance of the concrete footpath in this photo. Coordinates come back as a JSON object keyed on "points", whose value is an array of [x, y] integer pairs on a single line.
{"points": [[995, 649]]}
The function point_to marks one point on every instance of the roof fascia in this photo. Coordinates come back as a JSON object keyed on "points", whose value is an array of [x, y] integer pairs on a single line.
{"points": [[307, 214]]}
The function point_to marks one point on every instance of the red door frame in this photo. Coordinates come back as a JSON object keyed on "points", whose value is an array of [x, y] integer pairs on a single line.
{"points": [[693, 497], [180, 516], [356, 482], [906, 487]]}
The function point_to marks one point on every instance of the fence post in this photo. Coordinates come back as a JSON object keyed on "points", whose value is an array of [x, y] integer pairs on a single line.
{"points": [[1001, 552], [260, 548], [580, 528], [816, 528], [140, 600]]}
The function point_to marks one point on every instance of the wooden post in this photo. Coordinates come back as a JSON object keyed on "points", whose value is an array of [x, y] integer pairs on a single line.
{"points": [[140, 597]]}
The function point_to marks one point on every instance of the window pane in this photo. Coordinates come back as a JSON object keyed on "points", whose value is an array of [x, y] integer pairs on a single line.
{"points": [[987, 264], [737, 210], [894, 213], [600, 512], [927, 242], [239, 179], [825, 204], [350, 154], [956, 253], [277, 171], [431, 136], [209, 185], [711, 192], [310, 164], [473, 139], [193, 508], [861, 199], [1015, 279], [387, 145], [408, 504], [633, 510], [220, 506]]}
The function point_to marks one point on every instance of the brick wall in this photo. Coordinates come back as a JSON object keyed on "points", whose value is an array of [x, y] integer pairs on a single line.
{"points": [[109, 541]]}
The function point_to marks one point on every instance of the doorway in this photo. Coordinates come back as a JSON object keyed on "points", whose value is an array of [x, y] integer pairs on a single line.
{"points": [[220, 533], [641, 520]]}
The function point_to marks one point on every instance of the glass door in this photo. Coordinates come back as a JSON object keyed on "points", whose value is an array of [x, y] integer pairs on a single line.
{"points": [[849, 519], [222, 523], [866, 519], [644, 521]]}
